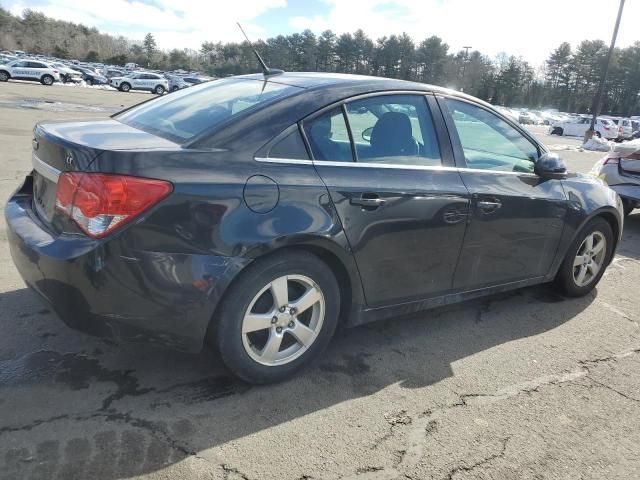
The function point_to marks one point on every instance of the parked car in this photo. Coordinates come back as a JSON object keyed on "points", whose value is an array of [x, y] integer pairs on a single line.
{"points": [[195, 80], [7, 58], [67, 74], [151, 82], [112, 72], [91, 77], [515, 116], [29, 70], [176, 83], [626, 128], [620, 169], [578, 126], [529, 118], [257, 213]]}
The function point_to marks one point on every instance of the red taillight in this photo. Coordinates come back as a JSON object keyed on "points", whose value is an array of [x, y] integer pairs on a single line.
{"points": [[99, 203]]}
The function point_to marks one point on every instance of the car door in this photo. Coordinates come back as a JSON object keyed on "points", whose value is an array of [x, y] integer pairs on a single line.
{"points": [[35, 70], [402, 204], [136, 81], [19, 70], [516, 217]]}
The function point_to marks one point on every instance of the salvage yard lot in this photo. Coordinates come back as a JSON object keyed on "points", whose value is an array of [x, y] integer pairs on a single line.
{"points": [[519, 385]]}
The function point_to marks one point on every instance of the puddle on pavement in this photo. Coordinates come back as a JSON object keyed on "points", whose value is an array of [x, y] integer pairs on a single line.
{"points": [[53, 106]]}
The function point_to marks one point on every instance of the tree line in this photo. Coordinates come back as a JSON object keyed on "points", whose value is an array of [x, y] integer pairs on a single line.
{"points": [[568, 80]]}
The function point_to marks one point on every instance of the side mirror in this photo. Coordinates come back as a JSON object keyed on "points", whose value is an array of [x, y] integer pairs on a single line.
{"points": [[366, 134], [550, 165]]}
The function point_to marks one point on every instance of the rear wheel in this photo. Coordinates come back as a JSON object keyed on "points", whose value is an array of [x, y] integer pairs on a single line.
{"points": [[159, 90], [557, 131], [89, 81], [598, 134], [47, 80], [278, 316], [125, 87], [4, 76], [586, 259]]}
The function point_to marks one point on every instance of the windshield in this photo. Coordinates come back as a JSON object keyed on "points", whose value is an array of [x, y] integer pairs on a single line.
{"points": [[183, 115]]}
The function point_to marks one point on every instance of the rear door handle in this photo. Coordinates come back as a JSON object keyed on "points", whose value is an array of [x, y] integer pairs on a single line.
{"points": [[369, 201], [488, 206]]}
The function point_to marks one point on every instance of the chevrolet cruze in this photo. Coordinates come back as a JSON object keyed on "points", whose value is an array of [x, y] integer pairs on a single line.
{"points": [[258, 213]]}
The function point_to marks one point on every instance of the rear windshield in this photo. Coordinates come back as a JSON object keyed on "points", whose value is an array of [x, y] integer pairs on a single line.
{"points": [[183, 115]]}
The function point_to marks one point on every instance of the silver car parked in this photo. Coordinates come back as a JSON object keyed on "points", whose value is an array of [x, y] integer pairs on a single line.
{"points": [[620, 169]]}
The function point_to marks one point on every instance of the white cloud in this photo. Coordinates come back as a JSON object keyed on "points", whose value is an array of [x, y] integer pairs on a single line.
{"points": [[531, 28], [174, 24]]}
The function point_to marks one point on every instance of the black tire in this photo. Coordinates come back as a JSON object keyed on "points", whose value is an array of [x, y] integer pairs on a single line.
{"points": [[229, 318], [159, 90], [47, 80], [174, 89], [557, 131], [565, 278], [89, 81], [628, 207], [4, 76], [598, 134], [125, 87]]}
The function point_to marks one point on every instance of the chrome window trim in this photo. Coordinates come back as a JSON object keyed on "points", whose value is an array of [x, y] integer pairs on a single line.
{"points": [[44, 169], [283, 160], [391, 165]]}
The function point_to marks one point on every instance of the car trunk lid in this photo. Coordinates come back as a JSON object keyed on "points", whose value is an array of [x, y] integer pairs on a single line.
{"points": [[72, 147]]}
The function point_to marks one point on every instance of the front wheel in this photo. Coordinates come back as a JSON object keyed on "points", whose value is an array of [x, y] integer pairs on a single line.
{"points": [[586, 259], [89, 81], [278, 316], [557, 131], [125, 87], [4, 76], [47, 80], [159, 90]]}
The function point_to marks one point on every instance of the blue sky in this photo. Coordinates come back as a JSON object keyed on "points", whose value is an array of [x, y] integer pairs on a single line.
{"points": [[527, 28]]}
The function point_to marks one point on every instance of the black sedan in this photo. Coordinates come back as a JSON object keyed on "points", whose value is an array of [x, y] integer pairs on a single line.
{"points": [[256, 214]]}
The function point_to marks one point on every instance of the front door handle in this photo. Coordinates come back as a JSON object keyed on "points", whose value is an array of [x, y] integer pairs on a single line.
{"points": [[368, 201], [488, 206]]}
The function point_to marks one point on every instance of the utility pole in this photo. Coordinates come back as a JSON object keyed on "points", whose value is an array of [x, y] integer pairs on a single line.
{"points": [[464, 66], [597, 101]]}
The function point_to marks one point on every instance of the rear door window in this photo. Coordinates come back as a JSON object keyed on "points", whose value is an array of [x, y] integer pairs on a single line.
{"points": [[328, 136], [394, 129]]}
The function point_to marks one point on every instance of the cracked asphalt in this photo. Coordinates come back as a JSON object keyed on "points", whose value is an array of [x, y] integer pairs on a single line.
{"points": [[524, 385]]}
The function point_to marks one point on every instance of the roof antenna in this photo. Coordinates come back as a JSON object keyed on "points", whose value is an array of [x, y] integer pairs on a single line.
{"points": [[266, 71]]}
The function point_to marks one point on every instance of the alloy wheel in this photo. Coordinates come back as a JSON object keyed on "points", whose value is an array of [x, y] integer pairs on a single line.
{"points": [[590, 258], [283, 320]]}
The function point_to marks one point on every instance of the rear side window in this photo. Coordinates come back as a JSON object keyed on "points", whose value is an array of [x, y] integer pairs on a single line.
{"points": [[187, 113], [290, 147], [329, 137]]}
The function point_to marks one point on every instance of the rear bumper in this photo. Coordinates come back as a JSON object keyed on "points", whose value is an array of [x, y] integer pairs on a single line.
{"points": [[109, 289]]}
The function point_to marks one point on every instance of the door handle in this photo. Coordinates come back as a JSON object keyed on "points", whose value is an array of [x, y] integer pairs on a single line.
{"points": [[488, 206], [368, 201]]}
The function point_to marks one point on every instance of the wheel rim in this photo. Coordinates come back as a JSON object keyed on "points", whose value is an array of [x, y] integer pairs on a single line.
{"points": [[3, 76], [48, 81], [159, 90], [590, 258], [283, 320], [125, 87]]}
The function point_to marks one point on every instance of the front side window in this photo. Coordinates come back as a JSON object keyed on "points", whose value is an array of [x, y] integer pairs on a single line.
{"points": [[490, 143], [329, 137], [394, 129], [187, 113]]}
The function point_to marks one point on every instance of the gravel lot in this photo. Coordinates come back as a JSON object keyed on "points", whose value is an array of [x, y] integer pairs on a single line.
{"points": [[525, 385]]}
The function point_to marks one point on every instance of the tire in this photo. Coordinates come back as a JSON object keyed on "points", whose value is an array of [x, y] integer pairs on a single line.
{"points": [[89, 81], [597, 229], [125, 87], [174, 89], [598, 134], [47, 80], [4, 76], [159, 90], [557, 131], [245, 353]]}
